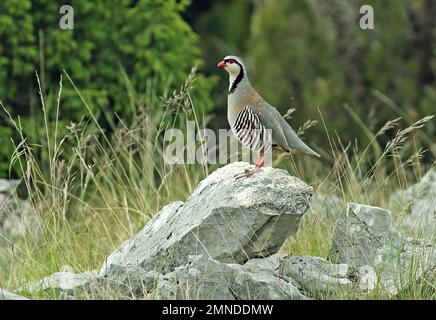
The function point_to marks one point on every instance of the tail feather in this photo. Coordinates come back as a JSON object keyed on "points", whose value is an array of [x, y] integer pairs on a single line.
{"points": [[294, 142], [289, 150]]}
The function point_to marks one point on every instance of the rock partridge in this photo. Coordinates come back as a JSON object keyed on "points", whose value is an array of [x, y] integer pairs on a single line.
{"points": [[254, 122]]}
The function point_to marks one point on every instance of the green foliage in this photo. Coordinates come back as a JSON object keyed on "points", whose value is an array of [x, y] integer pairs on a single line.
{"points": [[146, 40]]}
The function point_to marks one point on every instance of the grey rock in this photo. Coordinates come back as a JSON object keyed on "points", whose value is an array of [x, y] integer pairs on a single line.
{"points": [[269, 264], [6, 186], [259, 285], [314, 276], [366, 279], [64, 285], [204, 278], [18, 221], [2, 199], [201, 278], [133, 282], [7, 295], [317, 276], [225, 219], [419, 200], [365, 236], [360, 234], [274, 277]]}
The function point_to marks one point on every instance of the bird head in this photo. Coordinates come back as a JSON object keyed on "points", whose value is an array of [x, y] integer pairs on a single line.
{"points": [[232, 64]]}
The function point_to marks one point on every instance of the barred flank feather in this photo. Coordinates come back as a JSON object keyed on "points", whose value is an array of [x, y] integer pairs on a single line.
{"points": [[250, 131]]}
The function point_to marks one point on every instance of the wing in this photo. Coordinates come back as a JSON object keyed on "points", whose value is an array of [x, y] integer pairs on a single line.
{"points": [[282, 133], [250, 131]]}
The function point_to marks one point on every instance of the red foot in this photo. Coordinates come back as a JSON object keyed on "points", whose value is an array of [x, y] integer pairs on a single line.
{"points": [[248, 173]]}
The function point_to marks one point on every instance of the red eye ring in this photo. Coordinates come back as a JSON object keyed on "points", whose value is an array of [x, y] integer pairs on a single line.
{"points": [[231, 61]]}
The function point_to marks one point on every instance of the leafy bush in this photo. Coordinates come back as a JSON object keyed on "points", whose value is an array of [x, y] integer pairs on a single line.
{"points": [[141, 44]]}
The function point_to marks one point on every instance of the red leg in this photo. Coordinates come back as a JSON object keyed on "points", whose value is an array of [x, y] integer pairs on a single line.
{"points": [[260, 162]]}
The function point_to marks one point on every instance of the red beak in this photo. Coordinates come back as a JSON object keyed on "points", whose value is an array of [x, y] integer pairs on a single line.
{"points": [[221, 64]]}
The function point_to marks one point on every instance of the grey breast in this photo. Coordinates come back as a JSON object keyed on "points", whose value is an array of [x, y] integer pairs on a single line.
{"points": [[250, 131]]}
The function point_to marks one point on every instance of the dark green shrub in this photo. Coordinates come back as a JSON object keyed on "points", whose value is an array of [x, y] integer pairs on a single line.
{"points": [[147, 40]]}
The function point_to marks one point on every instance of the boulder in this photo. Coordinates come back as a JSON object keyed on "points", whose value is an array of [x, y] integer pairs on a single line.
{"points": [[204, 278], [64, 285], [272, 278], [7, 295], [365, 238], [225, 219], [6, 186], [131, 282], [17, 221], [317, 276], [419, 200]]}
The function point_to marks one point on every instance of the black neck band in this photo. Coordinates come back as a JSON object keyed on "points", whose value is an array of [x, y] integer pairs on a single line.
{"points": [[238, 79]]}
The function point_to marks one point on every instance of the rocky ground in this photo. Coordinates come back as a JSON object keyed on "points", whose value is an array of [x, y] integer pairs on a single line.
{"points": [[223, 243]]}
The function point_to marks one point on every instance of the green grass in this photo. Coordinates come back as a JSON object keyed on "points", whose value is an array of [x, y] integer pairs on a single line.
{"points": [[92, 190]]}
